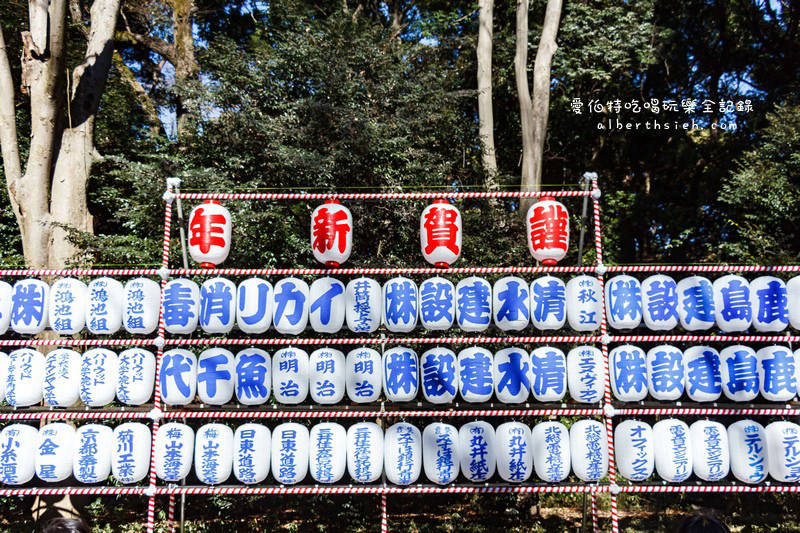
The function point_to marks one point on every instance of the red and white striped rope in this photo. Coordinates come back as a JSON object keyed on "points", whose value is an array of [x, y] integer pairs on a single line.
{"points": [[375, 195], [385, 414], [378, 489], [629, 269], [220, 341], [77, 491], [82, 415], [707, 411], [76, 342], [705, 338], [595, 525], [384, 515], [710, 488]]}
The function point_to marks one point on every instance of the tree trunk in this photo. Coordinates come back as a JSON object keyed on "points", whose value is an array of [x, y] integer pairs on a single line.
{"points": [[485, 113], [534, 112], [185, 65]]}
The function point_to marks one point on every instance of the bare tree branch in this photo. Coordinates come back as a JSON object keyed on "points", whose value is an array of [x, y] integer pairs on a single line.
{"points": [[8, 121], [154, 44], [485, 112]]}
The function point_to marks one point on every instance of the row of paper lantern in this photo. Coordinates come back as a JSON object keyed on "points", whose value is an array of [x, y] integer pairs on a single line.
{"points": [[291, 375], [768, 304], [515, 451], [440, 230]]}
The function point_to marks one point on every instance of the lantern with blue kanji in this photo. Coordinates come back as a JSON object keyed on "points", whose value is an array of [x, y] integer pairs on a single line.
{"points": [[402, 454], [439, 375], [400, 374], [136, 372], [98, 380], [588, 450], [213, 453], [53, 449], [634, 450], [440, 449], [327, 376], [254, 305], [209, 234], [62, 377], [105, 298], [696, 303], [584, 303], [142, 297], [551, 451], [548, 303], [25, 378], [747, 444], [709, 450], [674, 458], [400, 305], [769, 299], [130, 452], [30, 300], [364, 375], [514, 452], [327, 457], [628, 373], [216, 372], [17, 459], [624, 302], [703, 377], [252, 450], [5, 306], [290, 307], [363, 305], [174, 450], [666, 375], [778, 371], [217, 305], [473, 304], [512, 375], [365, 452], [67, 307], [585, 374], [253, 376], [178, 377], [739, 373], [437, 303], [478, 451], [547, 223], [511, 303], [181, 306], [91, 462], [476, 374], [290, 452], [783, 453], [326, 305], [732, 305], [548, 374], [660, 302], [290, 375]]}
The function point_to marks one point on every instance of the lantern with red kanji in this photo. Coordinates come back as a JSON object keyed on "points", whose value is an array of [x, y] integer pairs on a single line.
{"points": [[547, 222], [440, 233], [209, 234], [331, 233]]}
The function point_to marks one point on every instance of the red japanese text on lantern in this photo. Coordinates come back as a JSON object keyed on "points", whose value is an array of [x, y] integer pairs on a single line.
{"points": [[549, 227], [330, 228], [441, 229]]}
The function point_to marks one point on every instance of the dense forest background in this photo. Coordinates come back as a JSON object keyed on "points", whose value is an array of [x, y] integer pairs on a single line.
{"points": [[344, 95]]}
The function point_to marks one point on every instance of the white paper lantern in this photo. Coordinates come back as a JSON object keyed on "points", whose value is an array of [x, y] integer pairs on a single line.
{"points": [[660, 302], [476, 374], [327, 376], [440, 450], [178, 377], [440, 233], [588, 450], [181, 306], [67, 306], [747, 442], [29, 306], [54, 446], [290, 375], [584, 303], [91, 461], [98, 369], [402, 454], [732, 308], [130, 453], [547, 224], [217, 305], [136, 376], [623, 302], [674, 451], [25, 377], [364, 375], [327, 452], [783, 451], [216, 370], [17, 463], [473, 304], [548, 374], [437, 303], [105, 298], [551, 451], [696, 303], [769, 299], [709, 450], [209, 233], [478, 454], [6, 306], [666, 375], [439, 375], [778, 369], [628, 369], [548, 303], [290, 451], [401, 374], [327, 305], [253, 376], [512, 375], [514, 452], [213, 453], [634, 450], [290, 307], [703, 378], [365, 452], [739, 371], [3, 375], [62, 369], [585, 374], [363, 305], [254, 306], [331, 233], [174, 450], [793, 295], [142, 299], [400, 305], [511, 303], [252, 449]]}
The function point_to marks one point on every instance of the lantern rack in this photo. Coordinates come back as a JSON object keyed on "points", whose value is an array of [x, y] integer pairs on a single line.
{"points": [[608, 409]]}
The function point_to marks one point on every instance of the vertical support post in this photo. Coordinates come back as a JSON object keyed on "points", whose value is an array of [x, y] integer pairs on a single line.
{"points": [[608, 409], [171, 514], [176, 184], [384, 515], [587, 182], [156, 412], [595, 527]]}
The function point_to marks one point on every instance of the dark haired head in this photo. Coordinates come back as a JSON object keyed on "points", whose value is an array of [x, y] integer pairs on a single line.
{"points": [[66, 525], [702, 523]]}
